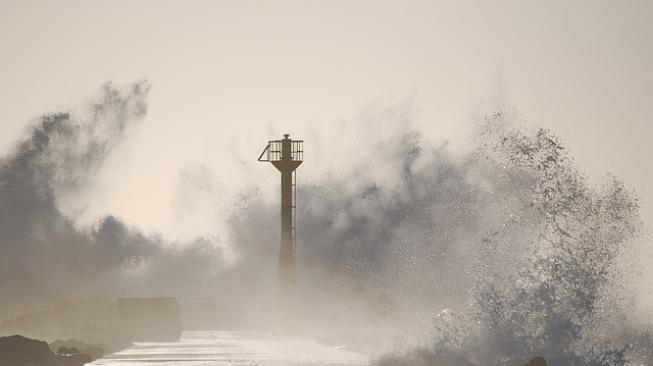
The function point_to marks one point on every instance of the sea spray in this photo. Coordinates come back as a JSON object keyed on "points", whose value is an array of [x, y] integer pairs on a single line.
{"points": [[547, 280], [513, 223]]}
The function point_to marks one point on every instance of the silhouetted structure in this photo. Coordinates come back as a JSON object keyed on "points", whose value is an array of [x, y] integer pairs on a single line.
{"points": [[286, 155]]}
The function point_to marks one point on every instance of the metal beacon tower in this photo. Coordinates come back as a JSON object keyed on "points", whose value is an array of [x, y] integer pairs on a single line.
{"points": [[286, 155]]}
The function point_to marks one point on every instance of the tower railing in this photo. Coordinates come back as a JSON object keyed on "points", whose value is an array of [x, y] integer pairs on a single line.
{"points": [[273, 152]]}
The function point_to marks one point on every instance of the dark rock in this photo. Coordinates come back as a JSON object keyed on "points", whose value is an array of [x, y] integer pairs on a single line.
{"points": [[17, 350], [537, 361], [78, 359], [73, 346]]}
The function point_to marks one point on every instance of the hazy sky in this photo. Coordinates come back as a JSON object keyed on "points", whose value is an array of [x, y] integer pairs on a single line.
{"points": [[229, 75]]}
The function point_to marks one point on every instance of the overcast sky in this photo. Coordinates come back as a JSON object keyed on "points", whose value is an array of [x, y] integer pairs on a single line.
{"points": [[237, 73]]}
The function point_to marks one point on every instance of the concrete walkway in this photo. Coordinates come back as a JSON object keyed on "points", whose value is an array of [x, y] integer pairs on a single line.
{"points": [[233, 348]]}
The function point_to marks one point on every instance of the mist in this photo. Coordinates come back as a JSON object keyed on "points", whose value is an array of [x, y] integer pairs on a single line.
{"points": [[46, 183], [421, 236]]}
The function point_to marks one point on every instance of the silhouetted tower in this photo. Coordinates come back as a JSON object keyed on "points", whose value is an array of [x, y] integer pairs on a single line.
{"points": [[286, 155]]}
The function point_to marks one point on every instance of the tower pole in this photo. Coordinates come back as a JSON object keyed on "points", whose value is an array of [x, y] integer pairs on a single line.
{"points": [[286, 161], [287, 250]]}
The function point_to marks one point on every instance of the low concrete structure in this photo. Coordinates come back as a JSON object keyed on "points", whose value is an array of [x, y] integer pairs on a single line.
{"points": [[153, 319]]}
